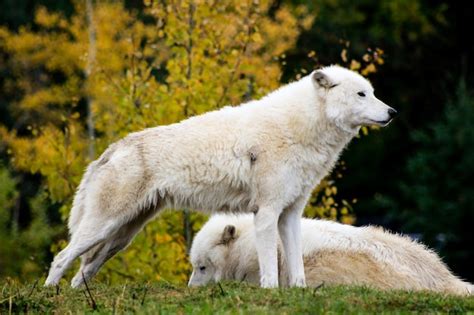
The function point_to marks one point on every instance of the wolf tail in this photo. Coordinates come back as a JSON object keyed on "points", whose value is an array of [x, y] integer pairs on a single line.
{"points": [[78, 205], [460, 287], [470, 289]]}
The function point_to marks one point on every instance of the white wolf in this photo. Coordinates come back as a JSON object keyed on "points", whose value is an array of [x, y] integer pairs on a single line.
{"points": [[334, 253], [265, 156]]}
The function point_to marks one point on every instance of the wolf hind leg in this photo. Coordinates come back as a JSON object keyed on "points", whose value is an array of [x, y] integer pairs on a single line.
{"points": [[91, 265], [87, 235], [93, 260]]}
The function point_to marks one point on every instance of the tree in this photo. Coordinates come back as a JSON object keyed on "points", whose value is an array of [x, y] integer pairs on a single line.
{"points": [[22, 251], [438, 189], [187, 59]]}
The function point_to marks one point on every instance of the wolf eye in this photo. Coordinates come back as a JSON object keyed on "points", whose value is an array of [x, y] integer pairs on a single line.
{"points": [[202, 268], [361, 94]]}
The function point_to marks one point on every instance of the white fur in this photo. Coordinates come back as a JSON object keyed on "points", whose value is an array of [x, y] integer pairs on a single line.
{"points": [[264, 156], [334, 253]]}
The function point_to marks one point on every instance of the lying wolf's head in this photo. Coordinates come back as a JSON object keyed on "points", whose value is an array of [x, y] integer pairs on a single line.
{"points": [[349, 99], [222, 250], [208, 254]]}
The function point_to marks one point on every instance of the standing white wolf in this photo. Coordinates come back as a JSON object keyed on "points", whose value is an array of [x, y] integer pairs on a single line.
{"points": [[265, 156], [334, 253]]}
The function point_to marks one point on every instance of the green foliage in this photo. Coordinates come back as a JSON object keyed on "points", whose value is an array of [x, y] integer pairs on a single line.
{"points": [[8, 194], [228, 298], [439, 184], [22, 251], [396, 23]]}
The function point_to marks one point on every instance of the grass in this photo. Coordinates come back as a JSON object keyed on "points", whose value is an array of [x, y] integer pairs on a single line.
{"points": [[228, 298]]}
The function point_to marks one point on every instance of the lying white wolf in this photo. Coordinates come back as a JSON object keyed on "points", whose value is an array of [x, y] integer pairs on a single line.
{"points": [[265, 156], [224, 249]]}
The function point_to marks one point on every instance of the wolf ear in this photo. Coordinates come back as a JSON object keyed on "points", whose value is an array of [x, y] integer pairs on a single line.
{"points": [[321, 79], [228, 234]]}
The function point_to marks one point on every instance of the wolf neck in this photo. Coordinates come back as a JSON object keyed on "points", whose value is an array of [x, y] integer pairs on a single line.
{"points": [[303, 112], [325, 146]]}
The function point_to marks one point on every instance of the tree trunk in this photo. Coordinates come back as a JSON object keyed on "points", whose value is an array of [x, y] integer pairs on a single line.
{"points": [[89, 68]]}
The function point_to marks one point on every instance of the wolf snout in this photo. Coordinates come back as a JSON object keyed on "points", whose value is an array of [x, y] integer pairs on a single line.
{"points": [[392, 113]]}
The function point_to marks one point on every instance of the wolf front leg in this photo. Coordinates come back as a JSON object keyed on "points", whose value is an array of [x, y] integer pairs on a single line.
{"points": [[266, 232], [289, 227]]}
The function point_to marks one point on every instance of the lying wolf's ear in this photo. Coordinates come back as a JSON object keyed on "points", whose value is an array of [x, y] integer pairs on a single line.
{"points": [[321, 79], [228, 234]]}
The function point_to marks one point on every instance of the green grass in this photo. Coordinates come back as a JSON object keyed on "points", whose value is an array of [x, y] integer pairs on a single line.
{"points": [[229, 298]]}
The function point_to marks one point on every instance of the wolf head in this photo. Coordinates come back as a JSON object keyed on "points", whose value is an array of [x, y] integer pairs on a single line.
{"points": [[210, 247], [349, 99], [224, 249]]}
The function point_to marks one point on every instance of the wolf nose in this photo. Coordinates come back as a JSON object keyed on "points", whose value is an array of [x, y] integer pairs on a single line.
{"points": [[392, 113]]}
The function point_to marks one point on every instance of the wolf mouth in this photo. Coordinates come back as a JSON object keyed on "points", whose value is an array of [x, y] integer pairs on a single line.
{"points": [[381, 122]]}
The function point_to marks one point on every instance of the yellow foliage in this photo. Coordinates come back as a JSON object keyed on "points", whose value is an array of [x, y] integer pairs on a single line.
{"points": [[355, 65], [370, 68], [192, 58]]}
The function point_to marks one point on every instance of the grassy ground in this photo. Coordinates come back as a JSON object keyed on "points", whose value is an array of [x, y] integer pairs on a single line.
{"points": [[214, 299]]}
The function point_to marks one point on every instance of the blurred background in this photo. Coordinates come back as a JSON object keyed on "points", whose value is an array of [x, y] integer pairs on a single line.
{"points": [[78, 75]]}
